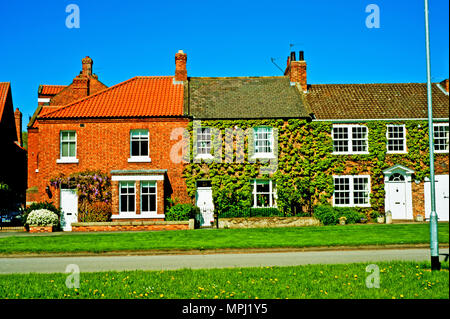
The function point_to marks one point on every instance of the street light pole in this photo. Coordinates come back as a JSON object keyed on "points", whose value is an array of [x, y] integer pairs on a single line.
{"points": [[434, 244]]}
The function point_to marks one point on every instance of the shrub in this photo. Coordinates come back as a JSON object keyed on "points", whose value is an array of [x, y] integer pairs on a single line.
{"points": [[326, 214], [329, 215], [42, 205], [42, 217], [182, 212], [94, 212]]}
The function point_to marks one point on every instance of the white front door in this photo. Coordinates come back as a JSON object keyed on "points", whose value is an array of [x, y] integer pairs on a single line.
{"points": [[442, 197], [396, 195], [204, 201], [69, 207]]}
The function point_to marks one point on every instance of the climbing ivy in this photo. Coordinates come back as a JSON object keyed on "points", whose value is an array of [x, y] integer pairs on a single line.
{"points": [[306, 164]]}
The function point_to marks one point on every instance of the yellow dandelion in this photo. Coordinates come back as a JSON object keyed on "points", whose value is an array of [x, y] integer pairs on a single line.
{"points": [[161, 295]]}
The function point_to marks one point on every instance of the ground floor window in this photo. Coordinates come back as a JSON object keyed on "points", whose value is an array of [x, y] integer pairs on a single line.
{"points": [[148, 197], [127, 197], [351, 190], [264, 194]]}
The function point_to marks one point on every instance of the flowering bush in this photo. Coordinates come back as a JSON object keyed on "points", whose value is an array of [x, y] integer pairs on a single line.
{"points": [[42, 217], [91, 186], [94, 212]]}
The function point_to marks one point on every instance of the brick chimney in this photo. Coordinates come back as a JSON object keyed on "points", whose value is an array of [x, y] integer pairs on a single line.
{"points": [[18, 120], [444, 85], [87, 66], [296, 69], [180, 66]]}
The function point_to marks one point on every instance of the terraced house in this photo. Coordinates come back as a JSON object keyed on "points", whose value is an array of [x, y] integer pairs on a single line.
{"points": [[232, 143]]}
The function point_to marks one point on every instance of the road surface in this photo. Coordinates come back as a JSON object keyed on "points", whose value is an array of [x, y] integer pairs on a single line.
{"points": [[225, 260]]}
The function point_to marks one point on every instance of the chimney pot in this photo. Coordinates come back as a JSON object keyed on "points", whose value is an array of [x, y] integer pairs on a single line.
{"points": [[292, 56], [180, 66], [86, 66], [301, 56]]}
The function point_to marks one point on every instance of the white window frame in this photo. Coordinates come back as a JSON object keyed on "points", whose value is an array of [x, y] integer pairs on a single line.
{"points": [[352, 191], [203, 155], [270, 139], [350, 139], [272, 194], [404, 139], [120, 198], [67, 159], [440, 138], [155, 185], [139, 158]]}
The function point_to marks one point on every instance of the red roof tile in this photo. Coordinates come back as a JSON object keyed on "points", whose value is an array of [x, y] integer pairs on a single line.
{"points": [[141, 96], [50, 89]]}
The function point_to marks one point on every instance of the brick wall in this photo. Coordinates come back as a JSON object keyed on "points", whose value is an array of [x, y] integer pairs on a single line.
{"points": [[101, 145]]}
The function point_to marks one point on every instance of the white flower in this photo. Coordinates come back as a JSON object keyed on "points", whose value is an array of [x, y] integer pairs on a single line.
{"points": [[42, 217]]}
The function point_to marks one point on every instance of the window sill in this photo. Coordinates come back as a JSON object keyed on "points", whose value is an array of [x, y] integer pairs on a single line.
{"points": [[350, 153], [137, 216], [263, 156], [396, 152], [139, 160], [204, 156], [441, 152], [67, 161], [349, 205]]}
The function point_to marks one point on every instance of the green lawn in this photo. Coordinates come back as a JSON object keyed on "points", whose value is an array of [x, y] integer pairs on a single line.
{"points": [[349, 235], [399, 280]]}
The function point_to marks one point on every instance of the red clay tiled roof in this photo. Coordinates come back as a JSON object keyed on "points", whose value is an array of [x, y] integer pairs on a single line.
{"points": [[4, 88], [375, 101], [141, 96], [50, 89]]}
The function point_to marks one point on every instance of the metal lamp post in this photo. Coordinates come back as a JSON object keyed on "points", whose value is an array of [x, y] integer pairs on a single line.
{"points": [[434, 244]]}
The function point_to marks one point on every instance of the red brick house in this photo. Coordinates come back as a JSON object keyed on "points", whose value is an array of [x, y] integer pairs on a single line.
{"points": [[13, 159], [129, 130], [124, 130]]}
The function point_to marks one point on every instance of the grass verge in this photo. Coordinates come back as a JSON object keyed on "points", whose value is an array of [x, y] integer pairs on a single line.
{"points": [[397, 280], [200, 239]]}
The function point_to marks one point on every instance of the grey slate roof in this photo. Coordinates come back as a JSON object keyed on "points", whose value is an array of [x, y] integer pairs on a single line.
{"points": [[244, 98]]}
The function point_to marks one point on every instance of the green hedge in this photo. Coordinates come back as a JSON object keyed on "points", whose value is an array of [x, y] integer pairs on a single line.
{"points": [[329, 215], [252, 212], [182, 212]]}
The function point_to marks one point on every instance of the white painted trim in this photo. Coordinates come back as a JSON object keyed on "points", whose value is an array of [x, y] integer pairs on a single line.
{"points": [[136, 216], [407, 172], [120, 201], [350, 139], [405, 150], [67, 160], [156, 199], [70, 159], [442, 89], [434, 139], [131, 178], [148, 144], [369, 120], [204, 156], [43, 99], [140, 159], [351, 191]]}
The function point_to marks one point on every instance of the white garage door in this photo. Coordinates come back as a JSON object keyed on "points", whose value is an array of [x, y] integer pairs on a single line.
{"points": [[442, 197]]}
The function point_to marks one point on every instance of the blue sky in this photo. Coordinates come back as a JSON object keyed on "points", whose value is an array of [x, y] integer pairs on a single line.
{"points": [[221, 38]]}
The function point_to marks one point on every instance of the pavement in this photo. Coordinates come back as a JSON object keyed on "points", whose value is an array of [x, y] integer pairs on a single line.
{"points": [[218, 260]]}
